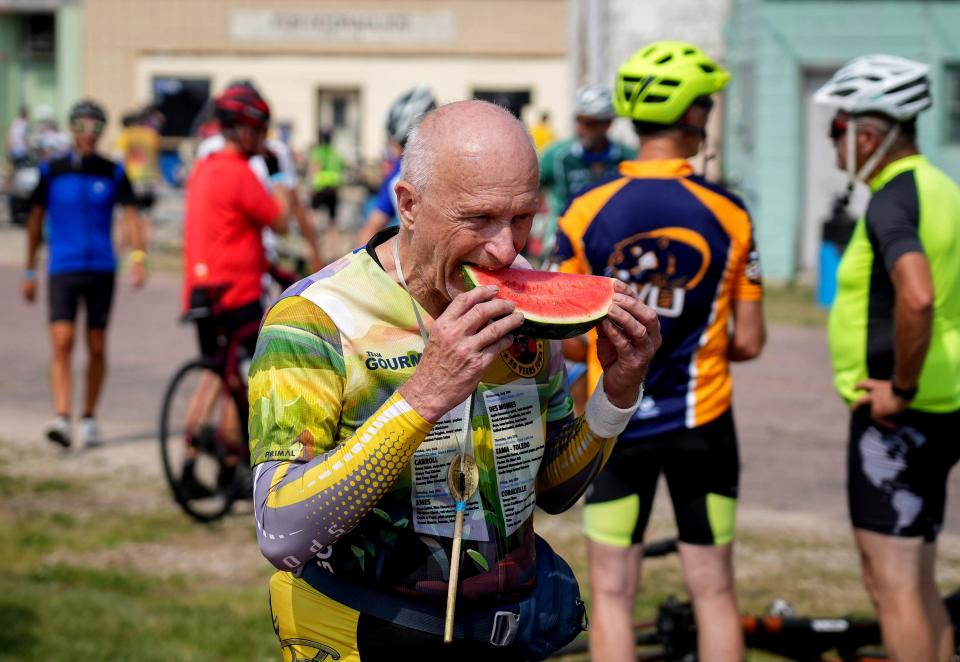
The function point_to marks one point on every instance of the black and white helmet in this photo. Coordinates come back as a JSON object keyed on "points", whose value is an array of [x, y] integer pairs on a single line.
{"points": [[88, 108], [594, 101], [406, 109], [893, 86]]}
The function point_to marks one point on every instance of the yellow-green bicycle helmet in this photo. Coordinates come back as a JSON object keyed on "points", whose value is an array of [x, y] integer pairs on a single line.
{"points": [[659, 82]]}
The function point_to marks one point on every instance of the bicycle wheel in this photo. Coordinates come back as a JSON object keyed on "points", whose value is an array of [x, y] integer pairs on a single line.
{"points": [[202, 441]]}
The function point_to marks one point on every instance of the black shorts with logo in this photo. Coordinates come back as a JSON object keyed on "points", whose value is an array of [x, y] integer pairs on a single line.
{"points": [[215, 330], [329, 198], [897, 479], [93, 288], [702, 468]]}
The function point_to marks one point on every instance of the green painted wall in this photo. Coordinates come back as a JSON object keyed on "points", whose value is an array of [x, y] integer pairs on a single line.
{"points": [[9, 76], [69, 57], [56, 82], [770, 45]]}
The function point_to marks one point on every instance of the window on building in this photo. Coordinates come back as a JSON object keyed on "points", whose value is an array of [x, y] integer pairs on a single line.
{"points": [[512, 100], [953, 104], [182, 102], [37, 36], [338, 111]]}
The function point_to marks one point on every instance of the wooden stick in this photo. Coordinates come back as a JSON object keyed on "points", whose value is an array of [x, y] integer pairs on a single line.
{"points": [[454, 577]]}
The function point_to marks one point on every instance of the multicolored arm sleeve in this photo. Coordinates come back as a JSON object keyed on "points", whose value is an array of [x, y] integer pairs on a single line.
{"points": [[310, 487]]}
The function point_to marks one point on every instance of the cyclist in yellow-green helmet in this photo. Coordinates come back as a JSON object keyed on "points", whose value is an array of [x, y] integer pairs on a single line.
{"points": [[685, 246]]}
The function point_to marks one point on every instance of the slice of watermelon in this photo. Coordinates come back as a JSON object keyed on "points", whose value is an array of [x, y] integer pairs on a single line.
{"points": [[554, 305]]}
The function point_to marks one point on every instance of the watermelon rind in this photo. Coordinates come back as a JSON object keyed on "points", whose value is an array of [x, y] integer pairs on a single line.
{"points": [[539, 327]]}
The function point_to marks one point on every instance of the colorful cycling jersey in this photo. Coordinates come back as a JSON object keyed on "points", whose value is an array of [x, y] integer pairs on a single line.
{"points": [[566, 169], [915, 208], [686, 248], [79, 195], [226, 208], [347, 472]]}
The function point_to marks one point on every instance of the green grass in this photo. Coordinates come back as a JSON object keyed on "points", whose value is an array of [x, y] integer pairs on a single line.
{"points": [[59, 601], [62, 612]]}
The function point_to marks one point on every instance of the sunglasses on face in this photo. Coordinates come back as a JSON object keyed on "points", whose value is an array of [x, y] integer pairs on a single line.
{"points": [[590, 122], [87, 125], [838, 128]]}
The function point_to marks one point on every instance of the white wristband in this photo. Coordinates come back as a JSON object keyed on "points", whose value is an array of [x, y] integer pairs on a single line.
{"points": [[603, 417]]}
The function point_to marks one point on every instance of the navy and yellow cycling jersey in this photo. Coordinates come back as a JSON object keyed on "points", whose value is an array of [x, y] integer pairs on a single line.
{"points": [[686, 248]]}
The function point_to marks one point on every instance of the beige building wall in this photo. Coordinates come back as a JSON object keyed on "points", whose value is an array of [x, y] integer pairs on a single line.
{"points": [[290, 83], [293, 47]]}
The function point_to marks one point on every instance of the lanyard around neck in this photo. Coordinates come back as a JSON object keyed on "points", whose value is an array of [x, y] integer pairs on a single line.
{"points": [[468, 403]]}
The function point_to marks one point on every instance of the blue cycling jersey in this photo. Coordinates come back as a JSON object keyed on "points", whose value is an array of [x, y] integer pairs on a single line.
{"points": [[79, 195], [386, 197]]}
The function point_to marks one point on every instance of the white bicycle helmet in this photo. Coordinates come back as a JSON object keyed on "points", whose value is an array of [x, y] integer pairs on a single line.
{"points": [[594, 101], [885, 84], [406, 109], [892, 86]]}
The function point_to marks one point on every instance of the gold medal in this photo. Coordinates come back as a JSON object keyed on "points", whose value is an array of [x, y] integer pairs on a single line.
{"points": [[470, 477]]}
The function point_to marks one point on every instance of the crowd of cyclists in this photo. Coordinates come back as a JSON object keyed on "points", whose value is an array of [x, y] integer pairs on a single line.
{"points": [[684, 246]]}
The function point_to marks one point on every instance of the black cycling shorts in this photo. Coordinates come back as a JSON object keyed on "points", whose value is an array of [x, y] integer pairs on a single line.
{"points": [[702, 468], [94, 288], [213, 331], [329, 198], [897, 479]]}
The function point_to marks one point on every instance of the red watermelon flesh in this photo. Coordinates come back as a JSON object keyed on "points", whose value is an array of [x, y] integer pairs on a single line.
{"points": [[554, 305]]}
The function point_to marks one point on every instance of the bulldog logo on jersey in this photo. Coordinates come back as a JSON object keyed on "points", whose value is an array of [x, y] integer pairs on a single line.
{"points": [[661, 266], [525, 356], [305, 650]]}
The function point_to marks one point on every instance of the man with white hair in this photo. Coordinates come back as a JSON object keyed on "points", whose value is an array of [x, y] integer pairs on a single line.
{"points": [[381, 376], [895, 341]]}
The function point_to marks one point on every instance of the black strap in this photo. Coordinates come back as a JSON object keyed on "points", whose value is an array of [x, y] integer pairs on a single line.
{"points": [[496, 626]]}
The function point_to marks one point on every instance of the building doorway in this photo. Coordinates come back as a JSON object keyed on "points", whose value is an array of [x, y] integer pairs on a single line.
{"points": [[339, 111], [512, 100]]}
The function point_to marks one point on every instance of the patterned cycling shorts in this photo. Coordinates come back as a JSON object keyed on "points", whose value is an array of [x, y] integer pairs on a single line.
{"points": [[897, 479]]}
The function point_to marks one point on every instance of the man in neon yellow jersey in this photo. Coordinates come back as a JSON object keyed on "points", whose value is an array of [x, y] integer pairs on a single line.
{"points": [[895, 341], [378, 377]]}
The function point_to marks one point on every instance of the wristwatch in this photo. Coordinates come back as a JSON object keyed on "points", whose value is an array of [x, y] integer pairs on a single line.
{"points": [[907, 394]]}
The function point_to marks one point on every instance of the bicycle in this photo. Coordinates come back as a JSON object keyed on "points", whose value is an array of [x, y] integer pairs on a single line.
{"points": [[672, 635], [204, 443]]}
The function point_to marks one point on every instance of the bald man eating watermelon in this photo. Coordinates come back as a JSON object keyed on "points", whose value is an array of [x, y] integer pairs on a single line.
{"points": [[403, 426]]}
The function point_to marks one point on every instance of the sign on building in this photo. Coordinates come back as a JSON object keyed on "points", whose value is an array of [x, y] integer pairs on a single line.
{"points": [[399, 27]]}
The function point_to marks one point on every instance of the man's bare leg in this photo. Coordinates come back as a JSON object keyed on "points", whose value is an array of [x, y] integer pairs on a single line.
{"points": [[893, 571], [933, 603], [708, 575], [61, 337], [614, 578], [96, 369]]}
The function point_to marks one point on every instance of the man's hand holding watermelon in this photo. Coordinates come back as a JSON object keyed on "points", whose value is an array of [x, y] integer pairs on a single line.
{"points": [[626, 343], [464, 341]]}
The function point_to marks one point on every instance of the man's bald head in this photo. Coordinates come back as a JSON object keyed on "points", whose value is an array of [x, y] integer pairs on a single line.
{"points": [[464, 134]]}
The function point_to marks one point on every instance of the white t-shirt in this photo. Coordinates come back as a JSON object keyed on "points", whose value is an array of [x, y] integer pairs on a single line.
{"points": [[17, 137]]}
